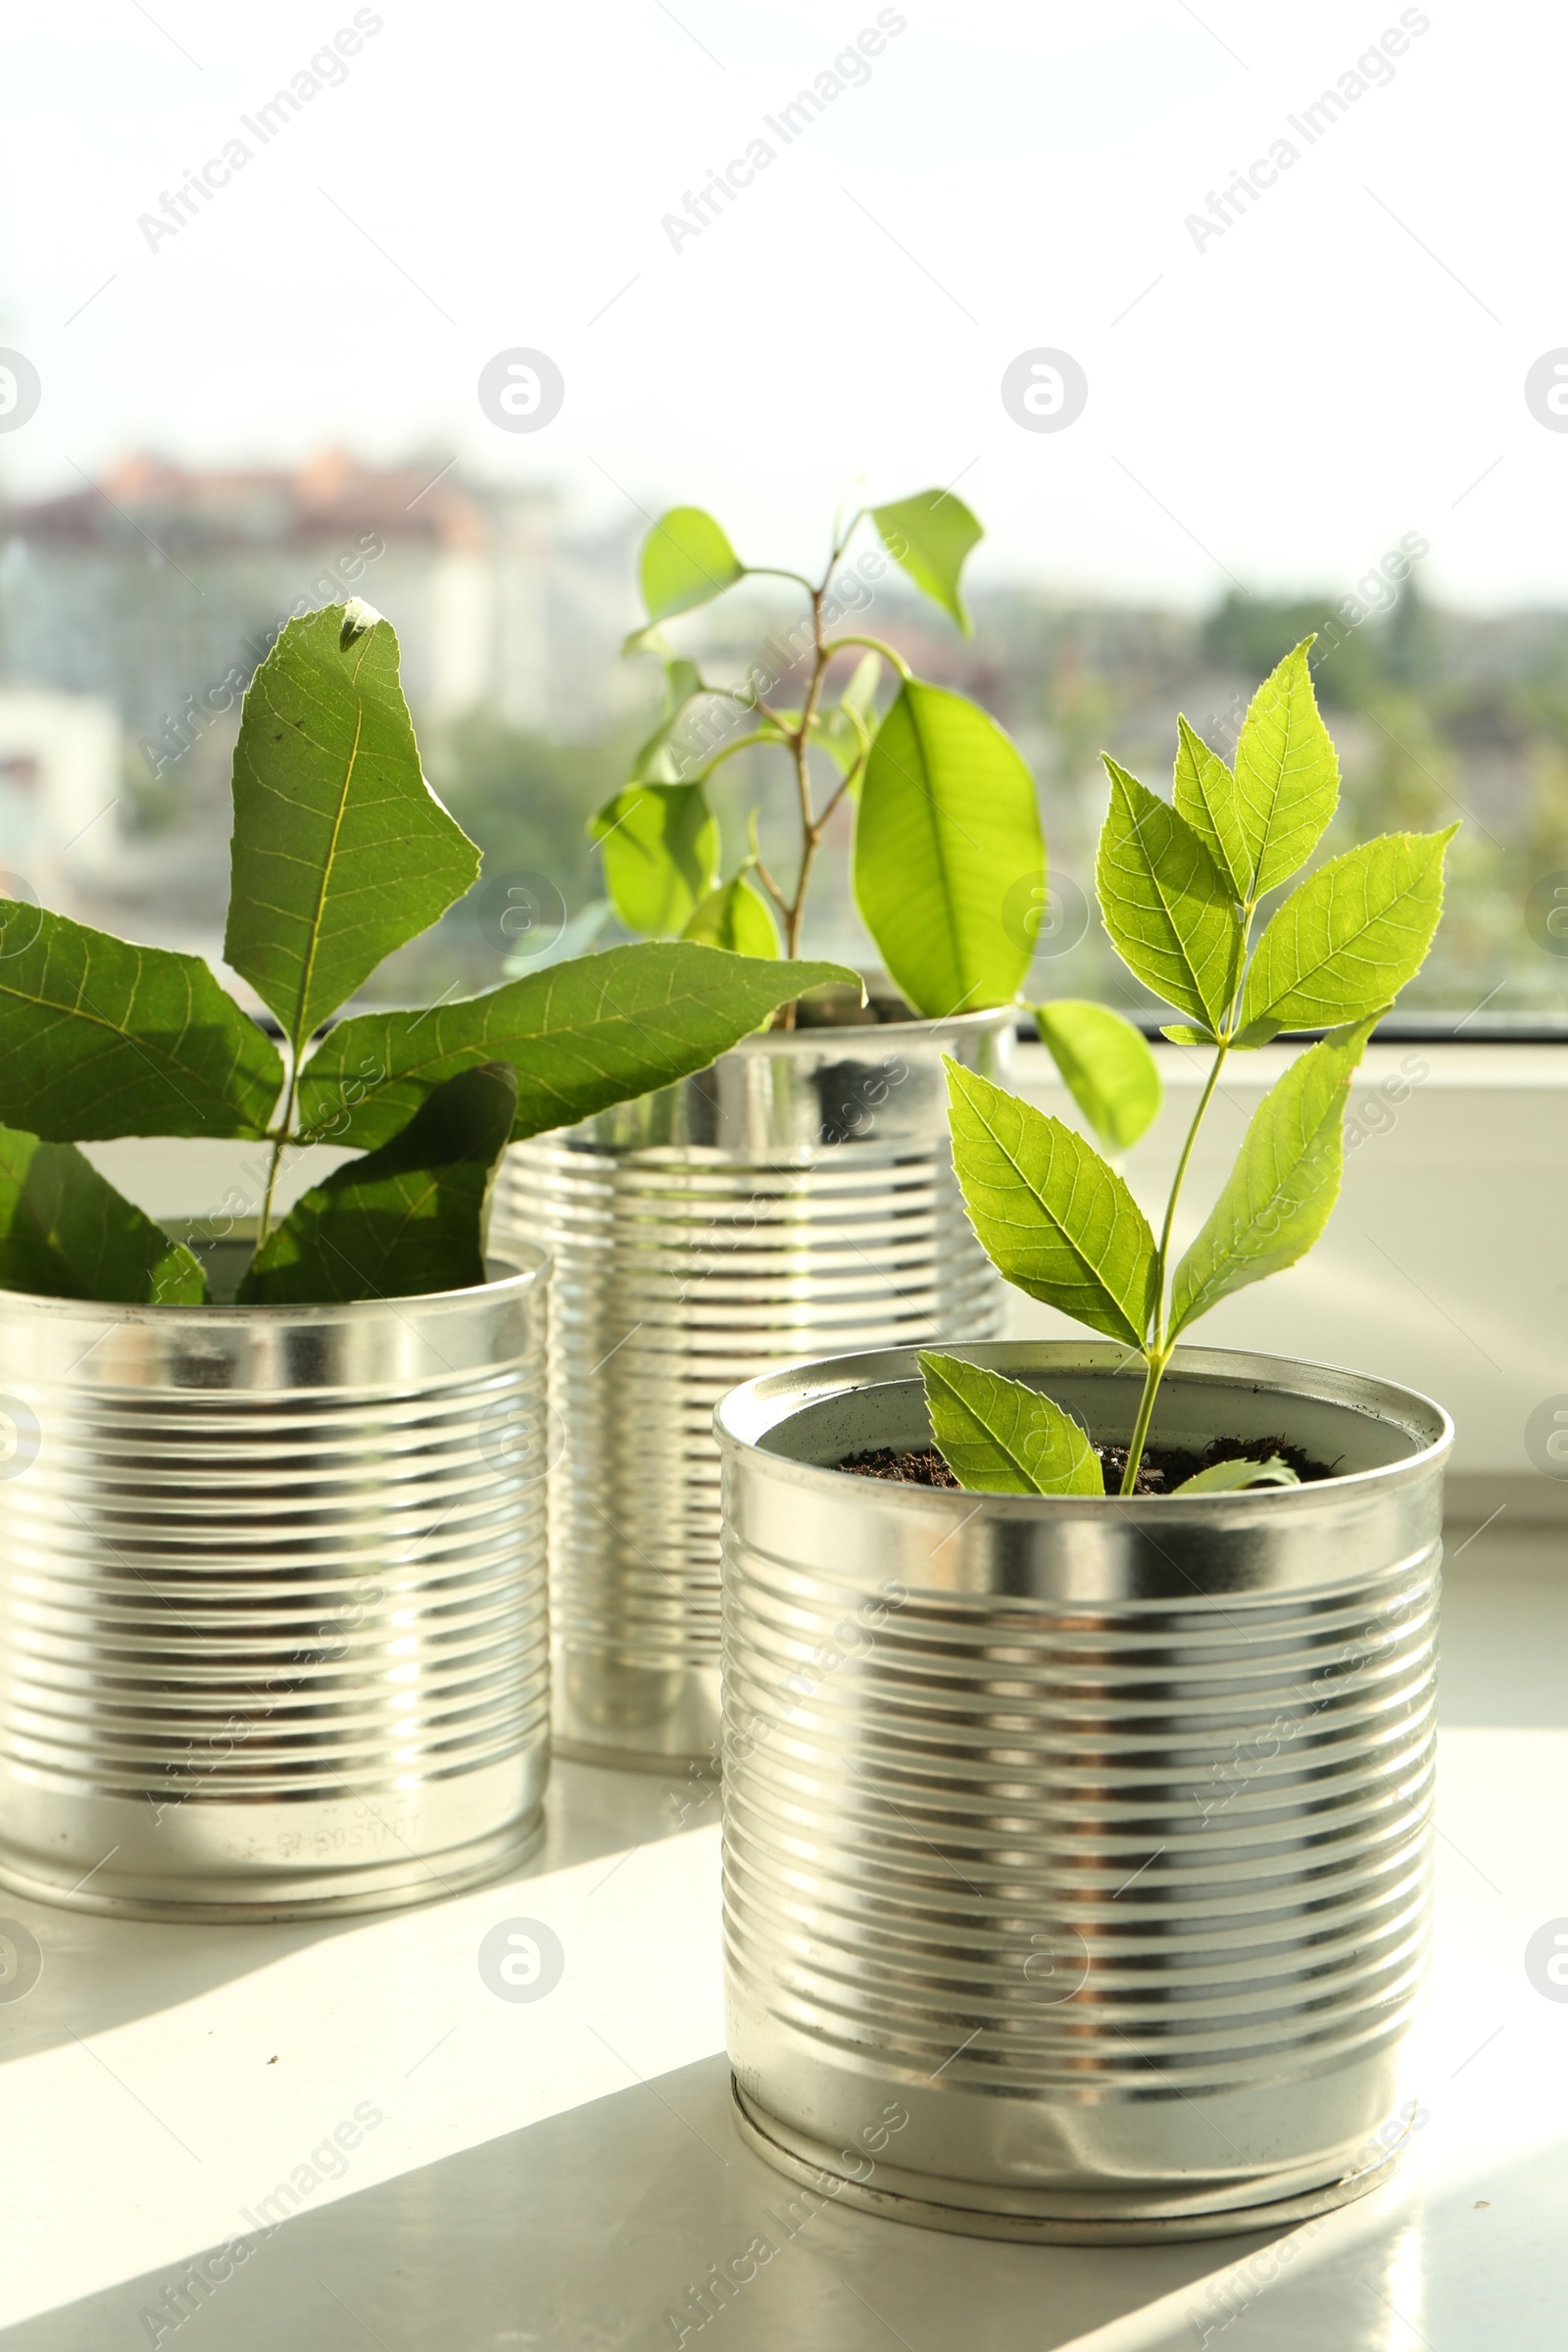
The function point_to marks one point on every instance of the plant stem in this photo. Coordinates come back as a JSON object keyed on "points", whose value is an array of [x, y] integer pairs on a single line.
{"points": [[1159, 1355], [877, 645], [1154, 1373], [1176, 1182], [282, 1140], [799, 740]]}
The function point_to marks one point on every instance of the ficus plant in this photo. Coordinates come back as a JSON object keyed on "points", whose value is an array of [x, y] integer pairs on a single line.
{"points": [[1180, 888], [340, 854], [947, 856]]}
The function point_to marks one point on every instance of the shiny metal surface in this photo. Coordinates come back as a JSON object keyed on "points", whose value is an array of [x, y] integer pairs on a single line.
{"points": [[1093, 1835], [795, 1200], [273, 1630]]}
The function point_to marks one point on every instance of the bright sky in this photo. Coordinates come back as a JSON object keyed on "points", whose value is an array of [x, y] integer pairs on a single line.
{"points": [[1342, 364]]}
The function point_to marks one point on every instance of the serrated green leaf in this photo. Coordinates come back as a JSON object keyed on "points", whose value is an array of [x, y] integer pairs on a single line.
{"points": [[99, 1038], [1183, 1032], [1232, 1478], [930, 534], [341, 851], [1287, 777], [405, 1221], [1350, 935], [1167, 908], [1107, 1066], [660, 851], [1050, 1214], [1001, 1437], [1279, 1195], [580, 1036], [1206, 798], [686, 559], [65, 1233], [948, 827], [737, 917]]}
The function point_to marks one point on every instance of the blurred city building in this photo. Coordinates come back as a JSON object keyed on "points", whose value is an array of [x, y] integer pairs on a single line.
{"points": [[133, 612]]}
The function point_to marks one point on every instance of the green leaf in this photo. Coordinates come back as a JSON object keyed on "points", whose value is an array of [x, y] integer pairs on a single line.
{"points": [[65, 1233], [1183, 1032], [341, 850], [660, 851], [1107, 1066], [99, 1038], [652, 762], [686, 559], [845, 730], [1286, 778], [1001, 1437], [737, 917], [948, 827], [1230, 1477], [580, 1035], [649, 640], [1206, 798], [1166, 905], [1350, 935], [930, 534], [1050, 1214], [859, 695], [845, 737], [1279, 1195], [406, 1220]]}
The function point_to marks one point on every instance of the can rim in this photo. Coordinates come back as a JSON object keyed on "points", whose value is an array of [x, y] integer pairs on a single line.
{"points": [[867, 1034], [519, 1267], [751, 1411]]}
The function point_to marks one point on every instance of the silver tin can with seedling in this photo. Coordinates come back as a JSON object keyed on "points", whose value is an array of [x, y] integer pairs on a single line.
{"points": [[272, 1637], [795, 1200], [1088, 1837]]}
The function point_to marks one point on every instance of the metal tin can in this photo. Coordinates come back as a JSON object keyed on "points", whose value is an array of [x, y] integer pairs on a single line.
{"points": [[1077, 1857], [273, 1621], [796, 1198]]}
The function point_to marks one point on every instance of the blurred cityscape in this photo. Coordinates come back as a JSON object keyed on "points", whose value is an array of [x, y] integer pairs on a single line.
{"points": [[133, 612]]}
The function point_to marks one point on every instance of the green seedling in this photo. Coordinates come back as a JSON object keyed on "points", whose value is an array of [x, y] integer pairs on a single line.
{"points": [[1180, 887], [341, 854], [947, 856]]}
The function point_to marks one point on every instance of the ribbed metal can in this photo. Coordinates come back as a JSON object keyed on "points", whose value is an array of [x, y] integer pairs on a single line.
{"points": [[272, 1613], [1077, 1851], [794, 1199]]}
